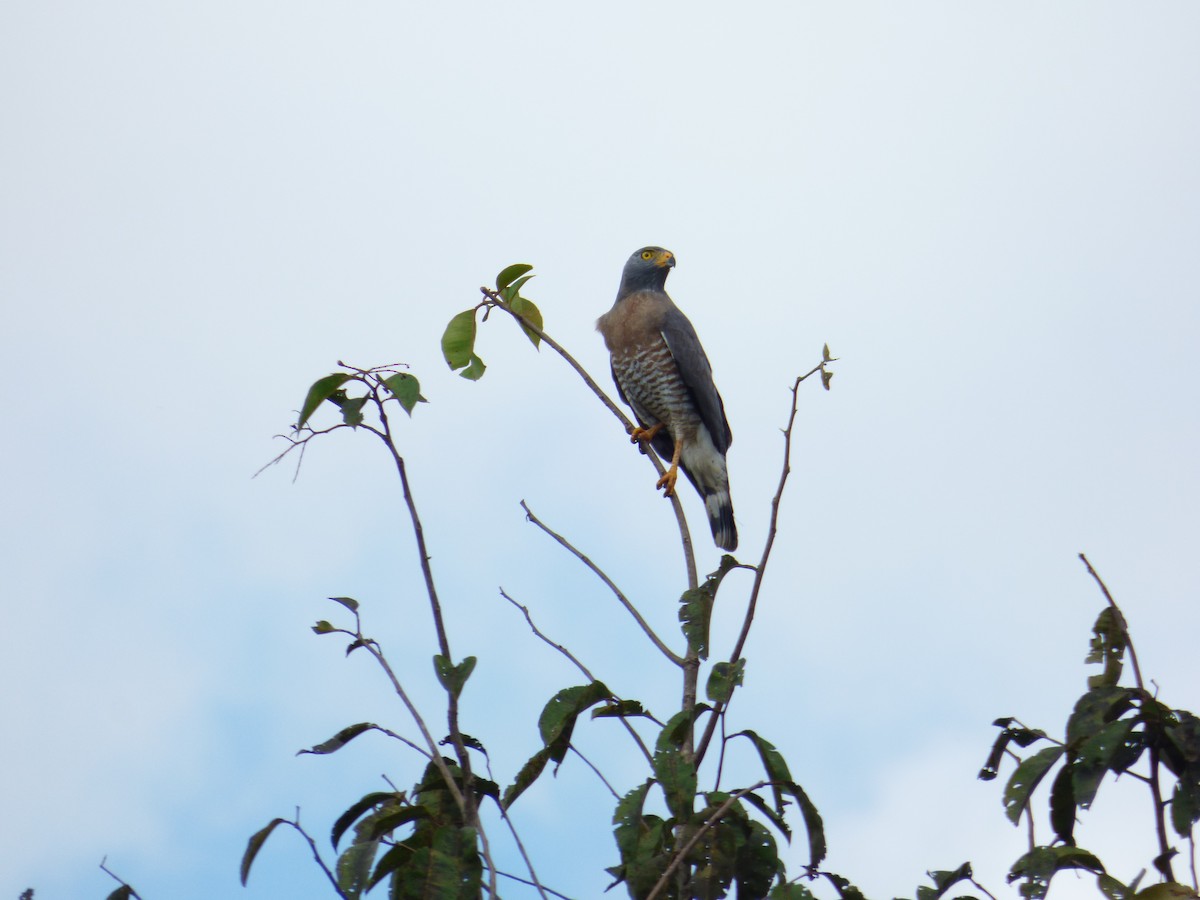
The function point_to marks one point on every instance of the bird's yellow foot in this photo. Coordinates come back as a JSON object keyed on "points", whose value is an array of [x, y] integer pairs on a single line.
{"points": [[644, 434], [667, 482]]}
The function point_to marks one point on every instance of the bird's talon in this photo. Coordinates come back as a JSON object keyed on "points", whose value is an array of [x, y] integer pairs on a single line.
{"points": [[667, 483], [640, 434]]}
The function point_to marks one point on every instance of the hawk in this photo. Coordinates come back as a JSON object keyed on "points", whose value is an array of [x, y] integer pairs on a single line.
{"points": [[663, 374]]}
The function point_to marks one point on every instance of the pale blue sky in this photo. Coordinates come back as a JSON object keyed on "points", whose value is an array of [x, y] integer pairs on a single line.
{"points": [[991, 213]]}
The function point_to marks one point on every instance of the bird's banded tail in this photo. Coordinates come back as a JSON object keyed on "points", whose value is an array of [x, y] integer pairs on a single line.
{"points": [[719, 507]]}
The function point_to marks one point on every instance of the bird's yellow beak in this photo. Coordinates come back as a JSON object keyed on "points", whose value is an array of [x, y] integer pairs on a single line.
{"points": [[666, 259]]}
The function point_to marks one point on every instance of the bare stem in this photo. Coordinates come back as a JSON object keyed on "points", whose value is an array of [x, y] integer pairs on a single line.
{"points": [[582, 668], [312, 846], [761, 569], [663, 648], [111, 874]]}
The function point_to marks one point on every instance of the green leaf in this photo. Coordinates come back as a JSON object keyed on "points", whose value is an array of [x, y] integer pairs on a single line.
{"points": [[776, 819], [396, 859], [474, 370], [943, 880], [321, 390], [1040, 864], [124, 892], [628, 817], [341, 739], [757, 860], [406, 389], [845, 889], [382, 823], [675, 733], [826, 377], [1166, 890], [358, 808], [825, 357], [1026, 778], [640, 840], [677, 776], [448, 869], [530, 313], [723, 678], [556, 724], [1181, 749], [1112, 888], [557, 720], [777, 771], [514, 289], [509, 274], [528, 775], [1185, 804], [773, 763], [1062, 805], [1109, 640], [352, 410], [458, 340], [453, 677], [348, 602], [1095, 709], [620, 709], [695, 611], [323, 627], [1096, 755], [254, 845], [354, 868]]}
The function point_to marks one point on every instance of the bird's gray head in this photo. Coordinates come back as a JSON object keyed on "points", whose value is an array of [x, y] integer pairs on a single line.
{"points": [[646, 270]]}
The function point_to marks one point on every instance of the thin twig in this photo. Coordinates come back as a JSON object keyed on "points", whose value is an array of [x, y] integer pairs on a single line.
{"points": [[592, 766], [761, 569], [586, 672], [312, 845], [541, 887], [709, 823], [538, 633], [467, 797], [512, 828], [663, 648], [981, 887], [107, 871]]}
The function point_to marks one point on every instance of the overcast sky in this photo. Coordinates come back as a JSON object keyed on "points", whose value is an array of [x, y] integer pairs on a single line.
{"points": [[991, 212]]}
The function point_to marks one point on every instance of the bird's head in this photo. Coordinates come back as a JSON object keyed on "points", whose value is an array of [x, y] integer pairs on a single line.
{"points": [[647, 270]]}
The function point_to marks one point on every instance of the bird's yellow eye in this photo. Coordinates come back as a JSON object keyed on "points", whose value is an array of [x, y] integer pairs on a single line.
{"points": [[647, 254]]}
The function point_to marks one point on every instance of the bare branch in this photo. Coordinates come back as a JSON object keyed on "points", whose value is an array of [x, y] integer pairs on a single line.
{"points": [[663, 648], [312, 845], [761, 569], [538, 633], [109, 872], [586, 672], [599, 774]]}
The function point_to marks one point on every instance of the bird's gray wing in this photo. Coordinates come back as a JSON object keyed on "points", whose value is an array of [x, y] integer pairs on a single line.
{"points": [[693, 365]]}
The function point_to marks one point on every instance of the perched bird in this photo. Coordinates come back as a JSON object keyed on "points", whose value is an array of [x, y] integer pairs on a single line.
{"points": [[662, 372]]}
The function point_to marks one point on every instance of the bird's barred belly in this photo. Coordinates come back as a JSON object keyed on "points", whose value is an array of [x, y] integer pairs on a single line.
{"points": [[655, 389]]}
